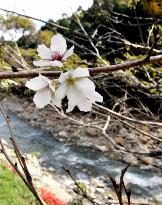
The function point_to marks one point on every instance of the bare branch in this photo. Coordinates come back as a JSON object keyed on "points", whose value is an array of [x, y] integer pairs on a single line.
{"points": [[82, 192], [118, 115], [93, 71]]}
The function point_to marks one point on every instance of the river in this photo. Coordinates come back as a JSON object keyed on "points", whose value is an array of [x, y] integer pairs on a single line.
{"points": [[82, 161]]}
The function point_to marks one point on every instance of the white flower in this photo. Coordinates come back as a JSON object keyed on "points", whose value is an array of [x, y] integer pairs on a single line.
{"points": [[45, 90], [79, 90], [54, 55]]}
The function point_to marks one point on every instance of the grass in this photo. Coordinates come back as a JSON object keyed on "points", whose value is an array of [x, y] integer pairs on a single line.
{"points": [[13, 191]]}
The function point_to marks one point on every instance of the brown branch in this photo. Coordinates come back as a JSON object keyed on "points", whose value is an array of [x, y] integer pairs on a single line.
{"points": [[118, 187], [122, 184], [93, 71]]}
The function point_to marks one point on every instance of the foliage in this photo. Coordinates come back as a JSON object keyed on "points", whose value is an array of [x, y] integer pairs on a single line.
{"points": [[16, 23], [153, 7], [75, 61], [45, 37], [77, 201], [13, 191], [29, 54], [5, 84]]}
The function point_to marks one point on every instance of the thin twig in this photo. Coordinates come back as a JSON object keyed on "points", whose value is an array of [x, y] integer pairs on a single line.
{"points": [[119, 187], [83, 193], [46, 22], [118, 115]]}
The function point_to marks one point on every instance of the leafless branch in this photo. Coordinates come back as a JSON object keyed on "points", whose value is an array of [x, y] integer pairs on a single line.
{"points": [[81, 192], [118, 188], [93, 71], [118, 115]]}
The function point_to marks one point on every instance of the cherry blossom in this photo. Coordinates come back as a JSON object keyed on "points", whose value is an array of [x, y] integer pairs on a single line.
{"points": [[54, 55], [78, 88], [44, 90]]}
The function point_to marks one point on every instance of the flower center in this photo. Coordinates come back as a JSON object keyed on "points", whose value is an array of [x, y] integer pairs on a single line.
{"points": [[56, 56], [70, 81]]}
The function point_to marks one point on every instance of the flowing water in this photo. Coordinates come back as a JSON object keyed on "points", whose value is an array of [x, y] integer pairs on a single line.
{"points": [[83, 162]]}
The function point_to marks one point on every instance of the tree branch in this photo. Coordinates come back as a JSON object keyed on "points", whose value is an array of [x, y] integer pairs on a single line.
{"points": [[93, 71]]}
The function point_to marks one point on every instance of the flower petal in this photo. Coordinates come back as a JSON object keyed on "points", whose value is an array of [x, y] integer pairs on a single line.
{"points": [[42, 98], [64, 76], [80, 72], [58, 44], [44, 78], [85, 105], [76, 98], [47, 63], [73, 97], [68, 53], [70, 107], [37, 83], [59, 95], [56, 63], [87, 86], [95, 97], [44, 52]]}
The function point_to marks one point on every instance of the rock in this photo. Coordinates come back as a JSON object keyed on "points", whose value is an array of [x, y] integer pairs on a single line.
{"points": [[91, 131], [123, 131], [144, 140], [147, 160], [51, 169], [100, 190], [97, 183], [4, 142], [42, 160], [114, 127], [129, 158], [120, 139], [62, 133], [50, 122], [103, 148]]}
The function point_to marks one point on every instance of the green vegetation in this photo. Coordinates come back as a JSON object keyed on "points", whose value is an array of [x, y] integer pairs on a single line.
{"points": [[13, 191]]}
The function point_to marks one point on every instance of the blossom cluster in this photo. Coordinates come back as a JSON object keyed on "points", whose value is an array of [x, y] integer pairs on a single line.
{"points": [[75, 84]]}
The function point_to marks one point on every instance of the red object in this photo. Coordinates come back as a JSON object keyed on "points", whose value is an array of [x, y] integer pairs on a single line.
{"points": [[50, 198]]}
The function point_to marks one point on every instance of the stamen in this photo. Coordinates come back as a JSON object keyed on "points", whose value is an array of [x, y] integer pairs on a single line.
{"points": [[70, 81], [56, 56]]}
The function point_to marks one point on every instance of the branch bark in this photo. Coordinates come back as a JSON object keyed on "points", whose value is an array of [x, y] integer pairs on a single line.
{"points": [[93, 71]]}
